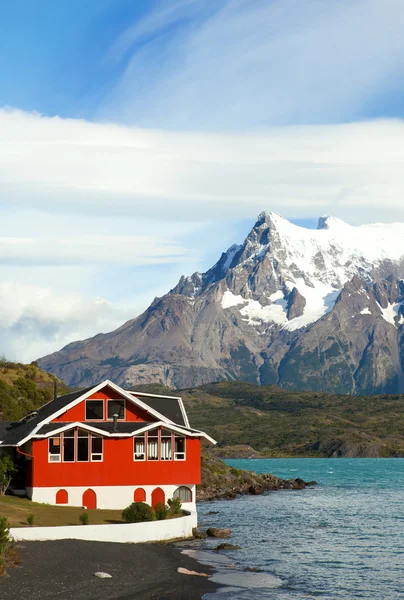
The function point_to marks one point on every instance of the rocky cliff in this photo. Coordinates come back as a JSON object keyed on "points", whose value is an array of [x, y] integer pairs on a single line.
{"points": [[303, 309]]}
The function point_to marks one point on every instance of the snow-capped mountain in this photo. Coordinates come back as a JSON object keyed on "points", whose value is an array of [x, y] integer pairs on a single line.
{"points": [[305, 309]]}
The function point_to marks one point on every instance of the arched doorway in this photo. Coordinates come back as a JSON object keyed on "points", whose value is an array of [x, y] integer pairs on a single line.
{"points": [[90, 499], [158, 496], [139, 495], [62, 497]]}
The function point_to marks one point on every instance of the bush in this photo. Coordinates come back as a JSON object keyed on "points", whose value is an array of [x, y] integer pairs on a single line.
{"points": [[30, 519], [161, 511], [138, 512], [9, 555], [84, 518], [174, 506], [7, 470]]}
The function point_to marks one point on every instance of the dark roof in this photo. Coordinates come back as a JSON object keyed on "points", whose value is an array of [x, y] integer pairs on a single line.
{"points": [[4, 425], [108, 426], [18, 431], [168, 407]]}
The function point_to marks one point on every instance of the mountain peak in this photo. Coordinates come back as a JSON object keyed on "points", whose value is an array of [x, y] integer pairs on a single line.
{"points": [[329, 222]]}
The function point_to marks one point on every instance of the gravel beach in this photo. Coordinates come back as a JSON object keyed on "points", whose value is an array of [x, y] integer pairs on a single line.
{"points": [[65, 570]]}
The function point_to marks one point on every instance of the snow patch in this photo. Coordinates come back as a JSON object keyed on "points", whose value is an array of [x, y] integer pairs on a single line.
{"points": [[229, 299], [391, 312], [365, 311]]}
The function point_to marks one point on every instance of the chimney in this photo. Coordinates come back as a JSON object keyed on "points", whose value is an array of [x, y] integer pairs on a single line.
{"points": [[115, 417], [55, 390]]}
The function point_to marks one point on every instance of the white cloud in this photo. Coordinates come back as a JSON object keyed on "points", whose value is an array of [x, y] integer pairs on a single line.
{"points": [[36, 320], [233, 64], [352, 170], [92, 249]]}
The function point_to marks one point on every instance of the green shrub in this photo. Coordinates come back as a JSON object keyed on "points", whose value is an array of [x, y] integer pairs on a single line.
{"points": [[30, 519], [7, 470], [5, 538], [138, 512], [84, 518], [161, 511], [174, 506], [9, 556]]}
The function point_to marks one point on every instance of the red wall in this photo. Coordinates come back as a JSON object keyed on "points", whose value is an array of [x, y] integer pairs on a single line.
{"points": [[117, 468], [77, 413]]}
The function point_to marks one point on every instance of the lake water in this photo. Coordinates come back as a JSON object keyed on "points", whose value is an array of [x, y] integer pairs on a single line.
{"points": [[343, 539]]}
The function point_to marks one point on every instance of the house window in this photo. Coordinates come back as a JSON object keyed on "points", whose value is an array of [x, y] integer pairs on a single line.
{"points": [[183, 493], [139, 447], [166, 445], [179, 447], [153, 445], [116, 407], [54, 449], [82, 446], [94, 410], [68, 446], [96, 448]]}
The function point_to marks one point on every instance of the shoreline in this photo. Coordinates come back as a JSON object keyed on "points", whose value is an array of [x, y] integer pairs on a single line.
{"points": [[62, 570]]}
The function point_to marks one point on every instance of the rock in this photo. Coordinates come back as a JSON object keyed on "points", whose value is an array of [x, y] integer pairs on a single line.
{"points": [[102, 575], [296, 304], [311, 483], [188, 572], [256, 489], [225, 546], [199, 534], [253, 570], [219, 532]]}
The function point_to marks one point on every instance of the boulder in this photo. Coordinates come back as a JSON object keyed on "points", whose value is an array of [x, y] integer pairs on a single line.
{"points": [[218, 532], [256, 489], [226, 546]]}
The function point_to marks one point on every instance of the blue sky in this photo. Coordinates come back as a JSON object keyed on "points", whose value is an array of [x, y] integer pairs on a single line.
{"points": [[141, 139]]}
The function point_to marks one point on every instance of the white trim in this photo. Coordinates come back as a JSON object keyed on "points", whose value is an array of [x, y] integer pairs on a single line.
{"points": [[154, 395], [183, 411], [133, 433], [84, 396]]}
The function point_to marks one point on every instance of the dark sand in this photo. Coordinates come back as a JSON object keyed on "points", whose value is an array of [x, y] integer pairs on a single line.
{"points": [[65, 570]]}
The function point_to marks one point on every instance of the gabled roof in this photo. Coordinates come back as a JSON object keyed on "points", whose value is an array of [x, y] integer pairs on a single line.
{"points": [[167, 410], [171, 407]]}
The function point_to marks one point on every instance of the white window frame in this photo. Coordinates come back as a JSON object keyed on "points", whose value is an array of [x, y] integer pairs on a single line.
{"points": [[178, 495], [92, 454], [73, 437], [144, 447], [185, 447], [58, 457], [158, 446], [103, 410], [124, 408], [165, 437], [77, 445]]}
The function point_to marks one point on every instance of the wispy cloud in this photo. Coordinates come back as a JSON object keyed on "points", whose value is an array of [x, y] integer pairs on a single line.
{"points": [[95, 169], [248, 63]]}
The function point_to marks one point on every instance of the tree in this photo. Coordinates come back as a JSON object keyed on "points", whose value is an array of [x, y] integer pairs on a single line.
{"points": [[7, 470]]}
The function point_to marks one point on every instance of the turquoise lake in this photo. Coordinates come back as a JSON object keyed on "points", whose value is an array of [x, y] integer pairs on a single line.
{"points": [[343, 539]]}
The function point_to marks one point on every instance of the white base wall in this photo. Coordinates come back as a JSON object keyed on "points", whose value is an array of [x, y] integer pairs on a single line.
{"points": [[112, 497], [152, 531]]}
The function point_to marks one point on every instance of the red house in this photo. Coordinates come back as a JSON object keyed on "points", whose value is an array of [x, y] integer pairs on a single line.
{"points": [[105, 447]]}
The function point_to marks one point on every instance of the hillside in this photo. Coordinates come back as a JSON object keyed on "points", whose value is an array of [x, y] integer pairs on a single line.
{"points": [[276, 422], [24, 388], [304, 309]]}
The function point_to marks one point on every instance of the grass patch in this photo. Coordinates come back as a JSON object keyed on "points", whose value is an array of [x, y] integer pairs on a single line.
{"points": [[19, 512]]}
